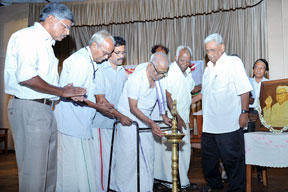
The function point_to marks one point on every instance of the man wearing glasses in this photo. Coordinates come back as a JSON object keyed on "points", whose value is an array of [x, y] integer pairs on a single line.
{"points": [[110, 79], [137, 101], [31, 78], [277, 115], [178, 85], [76, 148]]}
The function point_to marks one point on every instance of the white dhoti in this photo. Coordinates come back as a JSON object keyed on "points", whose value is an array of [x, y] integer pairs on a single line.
{"points": [[163, 153], [126, 165], [75, 164], [102, 144]]}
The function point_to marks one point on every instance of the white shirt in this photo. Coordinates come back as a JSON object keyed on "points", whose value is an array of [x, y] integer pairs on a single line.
{"points": [[180, 87], [137, 87], [71, 119], [110, 83], [222, 86], [30, 53], [256, 90]]}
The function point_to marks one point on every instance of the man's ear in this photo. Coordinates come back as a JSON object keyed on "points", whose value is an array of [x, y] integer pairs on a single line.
{"points": [[222, 48], [51, 19]]}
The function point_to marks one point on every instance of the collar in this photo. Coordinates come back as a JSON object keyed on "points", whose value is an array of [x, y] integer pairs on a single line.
{"points": [[219, 62], [107, 64], [187, 71], [46, 36]]}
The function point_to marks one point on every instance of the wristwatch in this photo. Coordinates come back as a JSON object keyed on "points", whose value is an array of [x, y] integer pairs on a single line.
{"points": [[244, 111]]}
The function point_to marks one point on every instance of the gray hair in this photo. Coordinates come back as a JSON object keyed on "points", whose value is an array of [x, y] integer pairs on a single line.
{"points": [[100, 36], [180, 48], [282, 87], [58, 10], [214, 37]]}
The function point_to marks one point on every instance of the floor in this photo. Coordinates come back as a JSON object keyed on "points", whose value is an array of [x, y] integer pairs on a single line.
{"points": [[277, 178]]}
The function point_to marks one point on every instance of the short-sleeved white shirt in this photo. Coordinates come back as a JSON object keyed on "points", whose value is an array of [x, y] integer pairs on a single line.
{"points": [[109, 82], [180, 87], [137, 87], [256, 89], [221, 89], [30, 53], [71, 119]]}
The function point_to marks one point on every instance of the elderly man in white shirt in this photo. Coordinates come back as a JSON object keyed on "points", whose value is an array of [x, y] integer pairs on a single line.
{"points": [[31, 77], [137, 101], [76, 154], [178, 85], [225, 102]]}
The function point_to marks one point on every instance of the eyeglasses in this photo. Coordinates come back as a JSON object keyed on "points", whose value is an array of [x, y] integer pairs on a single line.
{"points": [[105, 53], [66, 26], [120, 53], [260, 68], [165, 73]]}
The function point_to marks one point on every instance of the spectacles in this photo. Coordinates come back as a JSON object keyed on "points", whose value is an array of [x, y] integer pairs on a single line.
{"points": [[66, 26], [165, 73], [260, 68], [120, 53], [105, 53]]}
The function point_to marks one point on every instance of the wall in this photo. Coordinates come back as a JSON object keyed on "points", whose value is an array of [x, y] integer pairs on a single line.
{"points": [[277, 23], [12, 18]]}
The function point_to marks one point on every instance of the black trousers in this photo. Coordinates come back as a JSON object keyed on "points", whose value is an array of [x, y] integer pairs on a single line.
{"points": [[230, 148]]}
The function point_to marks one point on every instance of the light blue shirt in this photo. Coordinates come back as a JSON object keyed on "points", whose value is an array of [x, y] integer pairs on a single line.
{"points": [[256, 90], [110, 83], [71, 119]]}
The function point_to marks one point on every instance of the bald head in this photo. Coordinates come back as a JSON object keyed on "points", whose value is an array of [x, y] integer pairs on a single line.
{"points": [[160, 60], [158, 66]]}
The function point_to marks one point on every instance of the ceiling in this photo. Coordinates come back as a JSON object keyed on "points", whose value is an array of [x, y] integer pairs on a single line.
{"points": [[9, 2]]}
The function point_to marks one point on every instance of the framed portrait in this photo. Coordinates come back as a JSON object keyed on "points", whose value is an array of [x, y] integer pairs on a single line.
{"points": [[274, 104]]}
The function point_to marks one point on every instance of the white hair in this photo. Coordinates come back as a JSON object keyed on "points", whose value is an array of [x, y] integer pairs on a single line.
{"points": [[180, 48], [100, 36], [214, 37]]}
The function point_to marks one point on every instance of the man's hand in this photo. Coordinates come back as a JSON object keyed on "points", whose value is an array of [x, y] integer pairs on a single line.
{"points": [[167, 120], [243, 120], [125, 121], [106, 109], [78, 98], [156, 129], [70, 91], [180, 123]]}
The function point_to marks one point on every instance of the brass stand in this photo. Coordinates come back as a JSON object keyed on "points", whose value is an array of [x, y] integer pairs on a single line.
{"points": [[174, 138]]}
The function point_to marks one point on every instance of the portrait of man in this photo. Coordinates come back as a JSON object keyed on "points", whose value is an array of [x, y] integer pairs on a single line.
{"points": [[274, 102], [277, 115]]}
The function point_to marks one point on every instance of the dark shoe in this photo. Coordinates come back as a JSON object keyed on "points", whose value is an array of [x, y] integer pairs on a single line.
{"points": [[206, 188], [192, 186]]}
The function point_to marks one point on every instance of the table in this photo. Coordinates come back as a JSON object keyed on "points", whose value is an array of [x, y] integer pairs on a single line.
{"points": [[265, 149]]}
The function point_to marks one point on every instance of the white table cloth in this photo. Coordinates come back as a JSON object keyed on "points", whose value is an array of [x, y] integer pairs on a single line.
{"points": [[266, 149]]}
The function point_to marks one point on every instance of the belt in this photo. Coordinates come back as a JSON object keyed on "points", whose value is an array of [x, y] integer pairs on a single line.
{"points": [[43, 101]]}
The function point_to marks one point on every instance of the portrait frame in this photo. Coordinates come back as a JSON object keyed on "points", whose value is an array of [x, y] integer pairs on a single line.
{"points": [[268, 88]]}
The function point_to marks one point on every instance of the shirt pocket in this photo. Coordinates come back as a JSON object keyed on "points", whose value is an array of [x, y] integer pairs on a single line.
{"points": [[221, 84]]}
